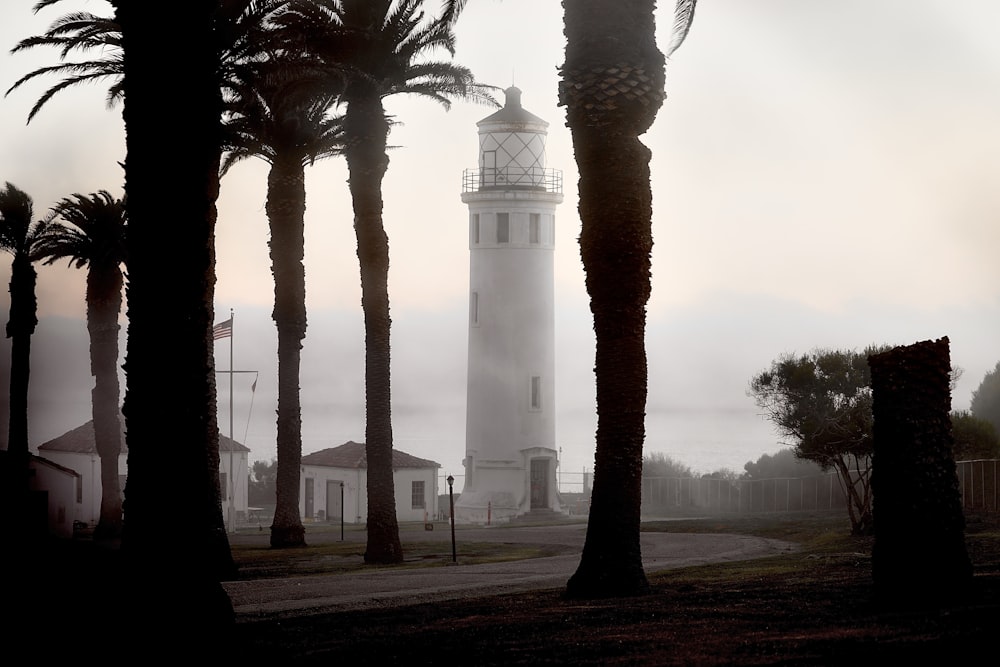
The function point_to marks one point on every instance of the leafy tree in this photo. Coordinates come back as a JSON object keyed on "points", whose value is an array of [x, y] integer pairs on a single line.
{"points": [[974, 438], [659, 464], [821, 401], [93, 235], [986, 398], [612, 86], [278, 112], [783, 463], [383, 45], [263, 483]]}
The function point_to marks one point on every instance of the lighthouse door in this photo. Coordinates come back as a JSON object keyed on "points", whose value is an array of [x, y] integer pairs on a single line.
{"points": [[539, 483]]}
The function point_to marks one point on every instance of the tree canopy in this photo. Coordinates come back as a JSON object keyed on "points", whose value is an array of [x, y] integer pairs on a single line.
{"points": [[821, 402], [974, 438], [986, 398]]}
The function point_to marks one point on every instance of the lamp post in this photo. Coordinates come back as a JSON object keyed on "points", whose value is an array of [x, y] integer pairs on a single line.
{"points": [[451, 515]]}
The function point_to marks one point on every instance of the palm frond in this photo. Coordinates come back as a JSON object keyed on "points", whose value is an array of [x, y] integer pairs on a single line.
{"points": [[683, 17]]}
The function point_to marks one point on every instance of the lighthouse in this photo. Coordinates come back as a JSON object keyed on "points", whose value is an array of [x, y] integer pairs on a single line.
{"points": [[510, 457]]}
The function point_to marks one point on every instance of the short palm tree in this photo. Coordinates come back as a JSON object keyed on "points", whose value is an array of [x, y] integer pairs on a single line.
{"points": [[92, 235], [19, 236], [278, 112], [383, 46], [612, 87]]}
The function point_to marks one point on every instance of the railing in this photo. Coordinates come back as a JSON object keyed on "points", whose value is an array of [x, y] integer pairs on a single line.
{"points": [[513, 177], [977, 481]]}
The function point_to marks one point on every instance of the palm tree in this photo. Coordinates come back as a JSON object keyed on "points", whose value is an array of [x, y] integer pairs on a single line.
{"points": [[612, 86], [278, 112], [170, 399], [19, 236], [381, 44], [76, 32], [93, 235]]}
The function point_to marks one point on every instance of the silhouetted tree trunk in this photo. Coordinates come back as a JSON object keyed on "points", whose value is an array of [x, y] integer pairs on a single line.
{"points": [[612, 87], [174, 542], [286, 196], [20, 513], [104, 302], [919, 553], [366, 130]]}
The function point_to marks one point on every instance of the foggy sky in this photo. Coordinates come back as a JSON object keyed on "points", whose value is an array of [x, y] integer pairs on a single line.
{"points": [[824, 175]]}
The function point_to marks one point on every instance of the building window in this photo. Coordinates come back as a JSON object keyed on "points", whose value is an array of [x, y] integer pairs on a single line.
{"points": [[503, 227], [535, 399], [474, 309], [417, 495], [534, 222], [475, 228], [223, 488], [79, 490]]}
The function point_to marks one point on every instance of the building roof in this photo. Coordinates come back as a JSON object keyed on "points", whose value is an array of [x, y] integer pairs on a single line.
{"points": [[512, 111], [352, 455], [80, 440]]}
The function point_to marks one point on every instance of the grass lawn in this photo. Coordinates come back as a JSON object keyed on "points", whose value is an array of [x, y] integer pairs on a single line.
{"points": [[811, 607]]}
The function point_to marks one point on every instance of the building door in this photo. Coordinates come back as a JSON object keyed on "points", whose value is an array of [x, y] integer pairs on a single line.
{"points": [[334, 500], [310, 500], [539, 483]]}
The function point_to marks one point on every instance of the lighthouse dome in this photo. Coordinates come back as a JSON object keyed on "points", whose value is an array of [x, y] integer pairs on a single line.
{"points": [[512, 146]]}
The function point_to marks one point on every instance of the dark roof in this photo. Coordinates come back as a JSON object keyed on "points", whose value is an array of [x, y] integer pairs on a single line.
{"points": [[512, 111], [80, 440], [353, 455], [54, 465]]}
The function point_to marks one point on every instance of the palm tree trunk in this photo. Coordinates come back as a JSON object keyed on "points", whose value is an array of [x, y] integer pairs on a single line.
{"points": [[286, 196], [919, 555], [20, 327], [366, 129], [104, 285], [172, 183], [611, 47], [21, 518]]}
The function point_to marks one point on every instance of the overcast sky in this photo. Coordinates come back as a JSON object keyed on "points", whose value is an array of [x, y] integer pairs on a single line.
{"points": [[824, 175]]}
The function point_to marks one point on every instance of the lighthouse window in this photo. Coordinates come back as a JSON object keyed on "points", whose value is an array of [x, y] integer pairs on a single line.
{"points": [[536, 393], [503, 227], [475, 228], [533, 224], [474, 309]]}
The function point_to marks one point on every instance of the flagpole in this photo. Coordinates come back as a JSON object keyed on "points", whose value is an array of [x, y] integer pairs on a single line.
{"points": [[232, 434]]}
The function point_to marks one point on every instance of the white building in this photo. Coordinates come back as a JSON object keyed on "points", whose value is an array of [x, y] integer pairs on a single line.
{"points": [[77, 450], [334, 484], [511, 457]]}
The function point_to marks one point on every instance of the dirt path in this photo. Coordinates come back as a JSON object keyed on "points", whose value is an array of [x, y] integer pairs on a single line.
{"points": [[381, 588]]}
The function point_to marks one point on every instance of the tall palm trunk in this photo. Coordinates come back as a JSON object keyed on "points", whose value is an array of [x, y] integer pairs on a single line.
{"points": [[170, 402], [366, 130], [286, 195], [611, 47], [20, 327], [104, 301], [20, 517]]}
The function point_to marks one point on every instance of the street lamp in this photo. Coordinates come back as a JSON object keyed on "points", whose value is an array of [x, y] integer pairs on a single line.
{"points": [[451, 514]]}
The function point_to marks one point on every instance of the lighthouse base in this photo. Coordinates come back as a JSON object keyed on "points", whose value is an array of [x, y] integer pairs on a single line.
{"points": [[498, 491]]}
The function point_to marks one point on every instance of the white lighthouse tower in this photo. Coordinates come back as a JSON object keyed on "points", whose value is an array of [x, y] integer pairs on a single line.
{"points": [[511, 458]]}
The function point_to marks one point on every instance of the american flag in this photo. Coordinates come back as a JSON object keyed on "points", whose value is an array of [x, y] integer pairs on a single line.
{"points": [[223, 329]]}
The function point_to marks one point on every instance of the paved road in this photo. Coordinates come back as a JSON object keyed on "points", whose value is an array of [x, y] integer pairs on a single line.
{"points": [[376, 588]]}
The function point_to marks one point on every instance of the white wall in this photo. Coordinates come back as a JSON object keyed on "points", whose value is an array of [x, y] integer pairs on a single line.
{"points": [[356, 492]]}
